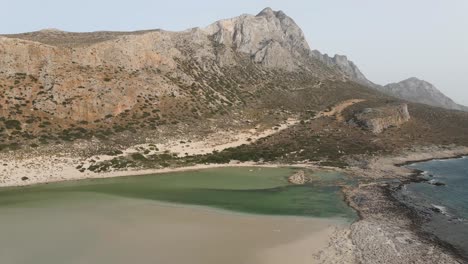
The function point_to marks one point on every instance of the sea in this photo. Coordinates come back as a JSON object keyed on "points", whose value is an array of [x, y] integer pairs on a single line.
{"points": [[442, 200]]}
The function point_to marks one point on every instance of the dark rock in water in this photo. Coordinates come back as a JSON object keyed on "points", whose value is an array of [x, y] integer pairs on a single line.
{"points": [[436, 183], [24, 178]]}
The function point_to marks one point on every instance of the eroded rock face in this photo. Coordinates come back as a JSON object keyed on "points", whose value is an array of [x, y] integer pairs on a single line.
{"points": [[380, 118], [299, 178], [345, 66], [84, 77], [271, 38]]}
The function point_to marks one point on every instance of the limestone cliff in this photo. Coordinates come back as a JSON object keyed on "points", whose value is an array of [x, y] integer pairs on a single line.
{"points": [[380, 118], [88, 76], [270, 38], [344, 65]]}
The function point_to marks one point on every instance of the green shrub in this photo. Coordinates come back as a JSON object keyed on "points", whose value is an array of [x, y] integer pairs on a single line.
{"points": [[13, 124], [138, 156]]}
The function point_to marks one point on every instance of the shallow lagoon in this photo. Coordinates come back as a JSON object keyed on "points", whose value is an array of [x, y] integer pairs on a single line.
{"points": [[143, 218]]}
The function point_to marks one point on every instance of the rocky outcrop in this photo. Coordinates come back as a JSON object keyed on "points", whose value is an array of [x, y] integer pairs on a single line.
{"points": [[419, 91], [270, 38], [344, 65], [380, 118], [299, 178]]}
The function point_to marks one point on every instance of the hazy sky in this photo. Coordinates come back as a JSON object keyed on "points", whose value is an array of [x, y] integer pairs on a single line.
{"points": [[390, 40]]}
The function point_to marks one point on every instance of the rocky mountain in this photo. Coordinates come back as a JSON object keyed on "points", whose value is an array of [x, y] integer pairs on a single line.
{"points": [[419, 91], [412, 89], [58, 86], [80, 84], [270, 38], [87, 76], [344, 65]]}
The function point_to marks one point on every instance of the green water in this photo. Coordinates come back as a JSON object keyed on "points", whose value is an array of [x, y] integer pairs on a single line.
{"points": [[251, 190]]}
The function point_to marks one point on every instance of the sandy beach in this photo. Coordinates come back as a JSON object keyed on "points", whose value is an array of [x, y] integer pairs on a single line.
{"points": [[154, 232]]}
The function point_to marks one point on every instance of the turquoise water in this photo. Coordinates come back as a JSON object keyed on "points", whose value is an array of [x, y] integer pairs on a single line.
{"points": [[143, 219], [445, 207], [251, 190]]}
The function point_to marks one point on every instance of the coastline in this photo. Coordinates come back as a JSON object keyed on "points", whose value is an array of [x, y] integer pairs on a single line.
{"points": [[417, 221], [387, 230], [419, 216], [77, 176], [380, 215]]}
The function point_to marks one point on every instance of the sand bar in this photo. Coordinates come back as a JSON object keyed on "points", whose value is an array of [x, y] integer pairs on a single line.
{"points": [[121, 230]]}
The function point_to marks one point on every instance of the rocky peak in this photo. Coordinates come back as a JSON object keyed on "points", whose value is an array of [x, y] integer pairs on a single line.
{"points": [[415, 83], [267, 12], [420, 91], [270, 38]]}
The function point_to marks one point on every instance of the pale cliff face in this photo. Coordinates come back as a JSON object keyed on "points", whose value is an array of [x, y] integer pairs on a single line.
{"points": [[346, 66], [88, 76], [271, 38], [381, 118], [86, 83]]}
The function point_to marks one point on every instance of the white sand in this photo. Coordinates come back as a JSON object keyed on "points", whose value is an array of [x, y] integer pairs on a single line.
{"points": [[56, 167]]}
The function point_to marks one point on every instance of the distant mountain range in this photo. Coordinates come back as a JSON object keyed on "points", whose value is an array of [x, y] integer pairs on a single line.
{"points": [[416, 90], [412, 89]]}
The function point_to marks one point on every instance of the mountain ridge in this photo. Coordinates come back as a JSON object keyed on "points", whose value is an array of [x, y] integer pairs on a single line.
{"points": [[59, 86], [421, 91], [270, 38], [267, 51]]}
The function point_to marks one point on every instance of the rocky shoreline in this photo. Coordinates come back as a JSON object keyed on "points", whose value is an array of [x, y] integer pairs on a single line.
{"points": [[388, 231], [423, 215], [417, 218]]}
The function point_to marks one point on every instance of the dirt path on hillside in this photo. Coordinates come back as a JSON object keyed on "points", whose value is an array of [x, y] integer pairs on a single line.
{"points": [[338, 109]]}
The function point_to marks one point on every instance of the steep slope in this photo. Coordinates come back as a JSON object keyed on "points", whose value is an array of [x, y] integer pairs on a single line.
{"points": [[419, 91], [157, 62], [58, 85], [123, 88]]}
